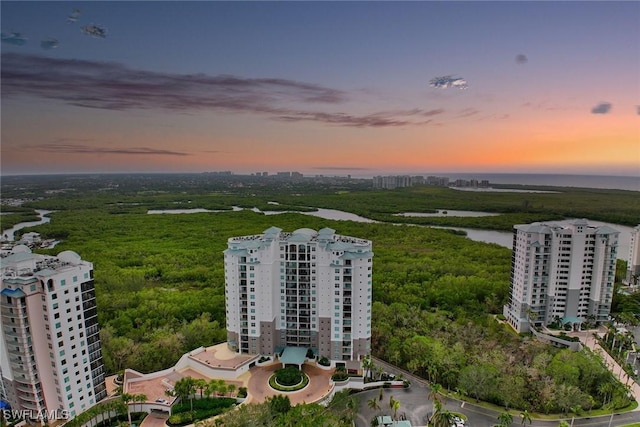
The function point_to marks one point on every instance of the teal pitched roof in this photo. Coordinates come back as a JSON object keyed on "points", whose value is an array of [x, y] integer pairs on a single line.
{"points": [[294, 355]]}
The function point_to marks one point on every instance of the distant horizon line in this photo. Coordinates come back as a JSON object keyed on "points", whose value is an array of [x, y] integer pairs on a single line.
{"points": [[307, 174]]}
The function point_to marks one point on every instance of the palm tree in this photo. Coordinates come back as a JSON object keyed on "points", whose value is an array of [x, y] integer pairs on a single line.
{"points": [[211, 388], [373, 404], [231, 388], [434, 393], [126, 398], [140, 398], [443, 418], [526, 417], [380, 395], [116, 406], [379, 370], [505, 419], [222, 386], [395, 407], [367, 364], [606, 390], [437, 407], [200, 384], [184, 389], [112, 406]]}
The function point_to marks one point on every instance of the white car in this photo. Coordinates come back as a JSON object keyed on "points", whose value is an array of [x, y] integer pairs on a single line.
{"points": [[458, 422]]}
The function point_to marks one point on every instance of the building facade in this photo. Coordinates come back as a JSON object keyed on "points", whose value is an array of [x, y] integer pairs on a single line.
{"points": [[633, 262], [561, 274], [308, 288], [50, 357]]}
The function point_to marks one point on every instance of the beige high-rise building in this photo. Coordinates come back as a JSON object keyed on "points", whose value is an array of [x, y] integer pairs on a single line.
{"points": [[306, 289], [50, 356], [633, 261], [560, 273]]}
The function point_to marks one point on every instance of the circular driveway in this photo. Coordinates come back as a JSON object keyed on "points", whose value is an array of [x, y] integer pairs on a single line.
{"points": [[319, 384]]}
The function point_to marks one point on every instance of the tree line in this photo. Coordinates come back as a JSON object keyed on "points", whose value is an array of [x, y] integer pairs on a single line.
{"points": [[160, 288]]}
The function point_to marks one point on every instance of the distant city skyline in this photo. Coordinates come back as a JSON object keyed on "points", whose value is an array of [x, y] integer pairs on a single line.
{"points": [[333, 88]]}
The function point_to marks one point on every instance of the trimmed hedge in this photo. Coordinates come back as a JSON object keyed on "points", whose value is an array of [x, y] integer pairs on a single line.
{"points": [[300, 386], [202, 409]]}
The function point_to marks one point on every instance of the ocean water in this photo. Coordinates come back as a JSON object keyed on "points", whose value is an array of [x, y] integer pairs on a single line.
{"points": [[631, 183]]}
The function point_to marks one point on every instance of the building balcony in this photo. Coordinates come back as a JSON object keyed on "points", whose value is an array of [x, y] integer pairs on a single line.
{"points": [[19, 334], [25, 388], [31, 406], [22, 370], [30, 397], [21, 351], [18, 318]]}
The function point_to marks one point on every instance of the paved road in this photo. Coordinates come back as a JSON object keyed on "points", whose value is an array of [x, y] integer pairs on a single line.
{"points": [[415, 405]]}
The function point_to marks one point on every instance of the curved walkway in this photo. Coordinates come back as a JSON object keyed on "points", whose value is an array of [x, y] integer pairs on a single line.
{"points": [[587, 339], [319, 384], [479, 416]]}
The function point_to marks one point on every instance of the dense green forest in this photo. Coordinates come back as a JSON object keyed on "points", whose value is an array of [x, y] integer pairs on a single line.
{"points": [[160, 278]]}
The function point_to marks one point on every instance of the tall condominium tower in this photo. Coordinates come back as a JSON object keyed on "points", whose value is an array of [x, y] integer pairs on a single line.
{"points": [[309, 289], [633, 262], [50, 356], [561, 273]]}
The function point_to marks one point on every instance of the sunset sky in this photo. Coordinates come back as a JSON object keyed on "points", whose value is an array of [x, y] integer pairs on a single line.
{"points": [[321, 87]]}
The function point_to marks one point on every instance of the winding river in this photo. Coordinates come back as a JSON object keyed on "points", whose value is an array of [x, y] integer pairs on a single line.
{"points": [[502, 238], [9, 233]]}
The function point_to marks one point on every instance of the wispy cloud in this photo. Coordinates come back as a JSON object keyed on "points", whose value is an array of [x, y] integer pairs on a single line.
{"points": [[602, 108], [468, 112], [381, 119], [521, 58], [113, 86], [65, 146]]}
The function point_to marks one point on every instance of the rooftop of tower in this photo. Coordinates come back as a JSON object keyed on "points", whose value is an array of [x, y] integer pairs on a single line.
{"points": [[324, 237]]}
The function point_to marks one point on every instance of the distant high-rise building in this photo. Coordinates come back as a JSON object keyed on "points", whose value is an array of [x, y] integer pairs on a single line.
{"points": [[399, 181], [309, 289], [563, 274], [633, 262], [50, 355]]}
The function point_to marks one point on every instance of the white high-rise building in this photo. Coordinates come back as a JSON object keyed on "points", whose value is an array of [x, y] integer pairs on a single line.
{"points": [[563, 273], [633, 262], [50, 356], [306, 289]]}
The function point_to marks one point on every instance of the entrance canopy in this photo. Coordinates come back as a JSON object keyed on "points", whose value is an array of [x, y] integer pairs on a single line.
{"points": [[293, 356]]}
